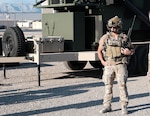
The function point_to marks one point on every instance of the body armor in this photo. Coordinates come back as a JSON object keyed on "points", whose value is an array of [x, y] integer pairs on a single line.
{"points": [[112, 48]]}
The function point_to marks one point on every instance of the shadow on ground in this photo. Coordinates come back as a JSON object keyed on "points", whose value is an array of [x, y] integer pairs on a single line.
{"points": [[93, 72]]}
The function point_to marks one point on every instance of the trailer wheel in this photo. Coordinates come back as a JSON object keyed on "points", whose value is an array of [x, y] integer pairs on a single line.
{"points": [[75, 65], [13, 42], [96, 64]]}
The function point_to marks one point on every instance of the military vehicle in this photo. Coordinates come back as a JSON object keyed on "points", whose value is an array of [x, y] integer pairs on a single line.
{"points": [[71, 27]]}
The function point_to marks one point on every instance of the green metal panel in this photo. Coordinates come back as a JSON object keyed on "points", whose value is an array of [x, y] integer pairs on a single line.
{"points": [[70, 25], [58, 24]]}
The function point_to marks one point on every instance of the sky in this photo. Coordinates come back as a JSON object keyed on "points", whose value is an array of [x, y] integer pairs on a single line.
{"points": [[17, 1], [26, 16]]}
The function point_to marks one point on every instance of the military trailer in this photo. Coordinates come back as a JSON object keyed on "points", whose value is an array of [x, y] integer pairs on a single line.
{"points": [[71, 30]]}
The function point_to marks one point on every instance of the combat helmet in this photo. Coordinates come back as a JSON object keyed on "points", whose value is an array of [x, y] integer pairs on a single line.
{"points": [[114, 22]]}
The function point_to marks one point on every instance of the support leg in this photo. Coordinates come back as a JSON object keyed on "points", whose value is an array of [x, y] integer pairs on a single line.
{"points": [[38, 61], [4, 70], [39, 78]]}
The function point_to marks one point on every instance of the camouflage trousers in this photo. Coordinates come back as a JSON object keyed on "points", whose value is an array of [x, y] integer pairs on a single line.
{"points": [[119, 72]]}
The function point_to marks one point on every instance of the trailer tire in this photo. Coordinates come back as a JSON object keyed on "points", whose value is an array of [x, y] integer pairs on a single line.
{"points": [[96, 64], [13, 42], [75, 65]]}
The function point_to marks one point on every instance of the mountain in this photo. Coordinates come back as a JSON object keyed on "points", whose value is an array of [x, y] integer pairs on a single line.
{"points": [[18, 7], [17, 1]]}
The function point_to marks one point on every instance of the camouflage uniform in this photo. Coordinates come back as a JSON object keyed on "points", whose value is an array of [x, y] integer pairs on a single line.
{"points": [[114, 52], [117, 69], [120, 72]]}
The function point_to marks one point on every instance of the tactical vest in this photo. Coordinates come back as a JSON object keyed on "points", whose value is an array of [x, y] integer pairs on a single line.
{"points": [[112, 48]]}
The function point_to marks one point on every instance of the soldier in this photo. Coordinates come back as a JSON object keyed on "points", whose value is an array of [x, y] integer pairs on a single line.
{"points": [[114, 51]]}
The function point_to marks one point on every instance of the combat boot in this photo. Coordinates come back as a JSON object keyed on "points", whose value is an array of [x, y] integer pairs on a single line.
{"points": [[124, 110], [106, 109]]}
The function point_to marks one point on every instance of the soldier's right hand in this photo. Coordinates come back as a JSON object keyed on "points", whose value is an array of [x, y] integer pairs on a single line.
{"points": [[108, 63]]}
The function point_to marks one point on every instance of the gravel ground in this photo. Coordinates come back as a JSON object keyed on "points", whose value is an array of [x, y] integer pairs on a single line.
{"points": [[64, 92]]}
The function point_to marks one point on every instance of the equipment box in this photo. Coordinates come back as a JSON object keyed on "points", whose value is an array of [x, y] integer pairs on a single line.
{"points": [[52, 44]]}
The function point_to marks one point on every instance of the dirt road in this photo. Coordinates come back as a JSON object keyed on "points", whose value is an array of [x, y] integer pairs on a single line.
{"points": [[64, 92]]}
